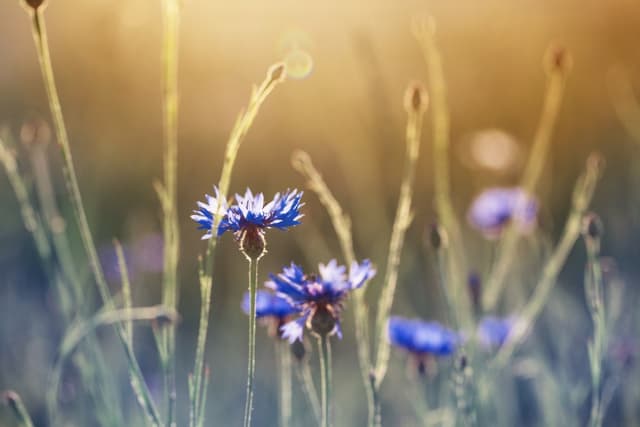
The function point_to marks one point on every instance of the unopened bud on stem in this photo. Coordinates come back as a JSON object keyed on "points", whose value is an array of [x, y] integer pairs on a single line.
{"points": [[33, 4], [558, 60], [416, 99]]}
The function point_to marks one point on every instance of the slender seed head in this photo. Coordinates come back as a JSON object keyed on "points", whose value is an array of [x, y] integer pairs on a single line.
{"points": [[416, 99], [33, 4], [558, 60], [12, 400], [438, 237], [592, 226], [277, 73]]}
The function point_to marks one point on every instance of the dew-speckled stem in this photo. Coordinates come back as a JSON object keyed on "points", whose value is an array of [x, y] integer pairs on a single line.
{"points": [[324, 347], [251, 360], [582, 195]]}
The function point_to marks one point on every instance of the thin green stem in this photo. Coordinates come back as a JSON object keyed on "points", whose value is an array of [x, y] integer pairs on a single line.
{"points": [[13, 400], [424, 31], [283, 353], [275, 75], [582, 195], [324, 347], [171, 25], [401, 224], [32, 221], [251, 362], [506, 250], [595, 300], [303, 372]]}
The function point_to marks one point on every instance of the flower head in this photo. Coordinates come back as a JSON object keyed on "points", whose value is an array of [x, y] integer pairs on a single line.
{"points": [[249, 217], [419, 337], [492, 210], [319, 297], [493, 331]]}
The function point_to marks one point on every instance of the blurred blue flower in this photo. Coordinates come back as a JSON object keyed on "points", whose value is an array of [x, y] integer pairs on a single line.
{"points": [[493, 331], [421, 337], [269, 305], [250, 213], [492, 210], [320, 297], [142, 255]]}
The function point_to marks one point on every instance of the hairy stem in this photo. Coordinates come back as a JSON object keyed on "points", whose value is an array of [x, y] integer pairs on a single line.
{"points": [[251, 362], [324, 347]]}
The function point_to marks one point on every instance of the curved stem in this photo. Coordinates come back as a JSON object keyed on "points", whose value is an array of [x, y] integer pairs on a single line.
{"points": [[325, 370], [284, 387], [309, 388], [251, 364]]}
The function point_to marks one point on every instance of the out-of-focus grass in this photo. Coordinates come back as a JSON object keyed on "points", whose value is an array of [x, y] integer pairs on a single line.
{"points": [[347, 114]]}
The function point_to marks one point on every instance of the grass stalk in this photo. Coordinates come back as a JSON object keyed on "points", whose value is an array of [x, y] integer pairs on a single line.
{"points": [[84, 328], [594, 291], [558, 70], [582, 195], [424, 31], [14, 402], [303, 372], [275, 75], [251, 362], [416, 106], [171, 232], [32, 221]]}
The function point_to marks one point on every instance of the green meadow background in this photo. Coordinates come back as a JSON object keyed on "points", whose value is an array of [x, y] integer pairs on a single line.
{"points": [[345, 109]]}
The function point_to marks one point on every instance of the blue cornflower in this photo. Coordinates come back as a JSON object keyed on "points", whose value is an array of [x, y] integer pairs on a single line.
{"points": [[269, 305], [319, 297], [492, 210], [422, 338], [493, 331], [249, 217]]}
